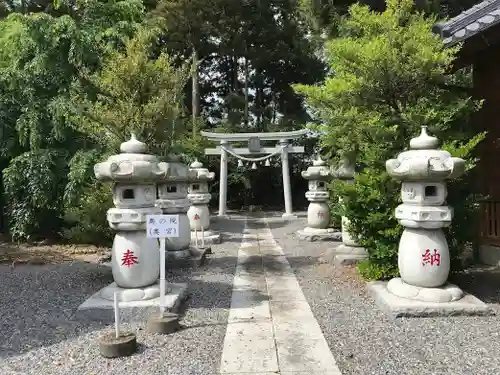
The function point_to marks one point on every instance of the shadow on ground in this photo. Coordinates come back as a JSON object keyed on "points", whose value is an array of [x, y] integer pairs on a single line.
{"points": [[480, 281]]}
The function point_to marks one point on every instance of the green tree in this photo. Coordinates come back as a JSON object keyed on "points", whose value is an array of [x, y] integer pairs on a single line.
{"points": [[41, 57], [133, 93], [389, 77]]}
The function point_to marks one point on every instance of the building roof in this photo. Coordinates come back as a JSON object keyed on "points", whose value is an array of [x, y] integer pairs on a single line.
{"points": [[469, 23]]}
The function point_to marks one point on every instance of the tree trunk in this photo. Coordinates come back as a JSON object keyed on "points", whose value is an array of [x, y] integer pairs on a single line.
{"points": [[245, 117], [195, 91], [235, 73]]}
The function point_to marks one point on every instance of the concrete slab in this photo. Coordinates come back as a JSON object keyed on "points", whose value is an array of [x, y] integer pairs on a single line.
{"points": [[402, 307], [313, 236], [344, 255], [211, 238], [98, 308], [190, 258]]}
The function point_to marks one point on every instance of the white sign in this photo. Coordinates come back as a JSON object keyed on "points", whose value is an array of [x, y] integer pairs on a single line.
{"points": [[162, 226]]}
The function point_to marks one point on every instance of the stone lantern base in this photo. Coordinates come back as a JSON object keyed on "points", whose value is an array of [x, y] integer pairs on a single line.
{"points": [[211, 238], [133, 306], [426, 304], [319, 234], [131, 294], [446, 293]]}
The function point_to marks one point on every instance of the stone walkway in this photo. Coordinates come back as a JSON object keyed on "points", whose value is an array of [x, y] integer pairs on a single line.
{"points": [[271, 328]]}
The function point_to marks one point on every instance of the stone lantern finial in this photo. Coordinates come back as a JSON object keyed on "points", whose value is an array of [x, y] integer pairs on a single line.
{"points": [[424, 141], [318, 162], [196, 164], [133, 146]]}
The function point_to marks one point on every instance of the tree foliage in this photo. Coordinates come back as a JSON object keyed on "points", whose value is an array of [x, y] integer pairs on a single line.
{"points": [[63, 80], [389, 77], [133, 92]]}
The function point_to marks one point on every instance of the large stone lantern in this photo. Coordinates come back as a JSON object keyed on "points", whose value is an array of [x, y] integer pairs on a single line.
{"points": [[199, 196], [135, 258], [423, 256], [318, 212], [173, 180]]}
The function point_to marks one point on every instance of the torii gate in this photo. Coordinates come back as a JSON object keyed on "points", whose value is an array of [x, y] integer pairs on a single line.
{"points": [[283, 147]]}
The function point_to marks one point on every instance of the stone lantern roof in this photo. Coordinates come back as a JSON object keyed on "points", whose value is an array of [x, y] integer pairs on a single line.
{"points": [[425, 162], [318, 171], [199, 173], [345, 169], [131, 165], [173, 170]]}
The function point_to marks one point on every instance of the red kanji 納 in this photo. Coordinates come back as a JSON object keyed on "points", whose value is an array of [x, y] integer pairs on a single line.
{"points": [[129, 259], [196, 217], [321, 214], [431, 258]]}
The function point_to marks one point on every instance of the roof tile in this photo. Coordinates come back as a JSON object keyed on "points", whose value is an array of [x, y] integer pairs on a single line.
{"points": [[470, 22]]}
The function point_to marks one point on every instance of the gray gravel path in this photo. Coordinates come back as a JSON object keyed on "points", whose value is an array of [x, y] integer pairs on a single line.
{"points": [[40, 334], [365, 341]]}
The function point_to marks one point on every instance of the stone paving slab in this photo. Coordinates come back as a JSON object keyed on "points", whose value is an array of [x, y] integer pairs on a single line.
{"points": [[403, 307]]}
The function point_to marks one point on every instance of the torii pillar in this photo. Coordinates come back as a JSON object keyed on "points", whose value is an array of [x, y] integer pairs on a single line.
{"points": [[254, 149]]}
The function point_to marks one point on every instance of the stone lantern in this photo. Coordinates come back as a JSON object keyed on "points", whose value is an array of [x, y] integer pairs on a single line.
{"points": [[423, 256], [350, 251], [199, 196], [135, 258], [318, 212], [173, 180]]}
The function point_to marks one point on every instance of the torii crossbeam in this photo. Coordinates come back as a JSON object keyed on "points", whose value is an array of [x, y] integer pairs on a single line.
{"points": [[254, 148]]}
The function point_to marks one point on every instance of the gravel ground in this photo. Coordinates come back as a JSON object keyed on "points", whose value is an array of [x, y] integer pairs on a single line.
{"points": [[365, 341], [40, 334]]}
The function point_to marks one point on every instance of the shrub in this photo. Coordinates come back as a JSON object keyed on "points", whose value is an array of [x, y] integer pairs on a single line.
{"points": [[88, 217], [34, 184]]}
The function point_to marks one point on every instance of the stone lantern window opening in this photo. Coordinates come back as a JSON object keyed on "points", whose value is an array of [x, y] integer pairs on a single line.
{"points": [[431, 191], [128, 194], [196, 186], [171, 188], [321, 184]]}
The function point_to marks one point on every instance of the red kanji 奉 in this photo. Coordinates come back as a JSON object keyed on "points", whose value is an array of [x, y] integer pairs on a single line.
{"points": [[129, 259]]}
